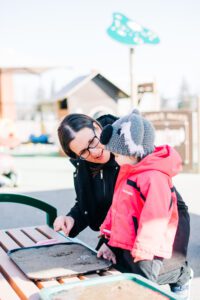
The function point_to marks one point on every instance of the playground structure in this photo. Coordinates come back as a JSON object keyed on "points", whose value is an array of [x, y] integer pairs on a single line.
{"points": [[91, 94]]}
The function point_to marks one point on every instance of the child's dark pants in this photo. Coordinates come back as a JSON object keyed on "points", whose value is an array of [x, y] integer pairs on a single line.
{"points": [[154, 270]]}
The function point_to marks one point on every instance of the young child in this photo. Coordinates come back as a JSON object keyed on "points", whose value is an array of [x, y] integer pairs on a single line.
{"points": [[142, 221]]}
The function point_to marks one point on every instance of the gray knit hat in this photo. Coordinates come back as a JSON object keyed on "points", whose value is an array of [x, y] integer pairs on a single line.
{"points": [[129, 135]]}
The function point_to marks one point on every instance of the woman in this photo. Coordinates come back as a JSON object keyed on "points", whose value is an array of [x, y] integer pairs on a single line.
{"points": [[94, 181], [95, 175]]}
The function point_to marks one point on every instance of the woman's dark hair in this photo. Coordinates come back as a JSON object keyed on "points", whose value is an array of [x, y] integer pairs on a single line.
{"points": [[69, 126]]}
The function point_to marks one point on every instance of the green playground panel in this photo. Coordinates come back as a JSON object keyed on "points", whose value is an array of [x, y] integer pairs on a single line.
{"points": [[48, 293]]}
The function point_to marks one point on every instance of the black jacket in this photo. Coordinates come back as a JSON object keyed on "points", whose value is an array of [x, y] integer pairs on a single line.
{"points": [[94, 186]]}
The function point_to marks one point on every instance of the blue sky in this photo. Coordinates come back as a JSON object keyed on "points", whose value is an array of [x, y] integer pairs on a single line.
{"points": [[73, 34]]}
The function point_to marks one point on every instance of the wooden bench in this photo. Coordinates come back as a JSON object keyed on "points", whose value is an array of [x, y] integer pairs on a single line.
{"points": [[14, 284]]}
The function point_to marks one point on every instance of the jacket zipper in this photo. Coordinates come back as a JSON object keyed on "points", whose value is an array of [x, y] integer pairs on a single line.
{"points": [[76, 170], [101, 176]]}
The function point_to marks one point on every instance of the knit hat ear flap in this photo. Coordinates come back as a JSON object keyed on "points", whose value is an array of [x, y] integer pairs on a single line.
{"points": [[149, 137], [106, 134]]}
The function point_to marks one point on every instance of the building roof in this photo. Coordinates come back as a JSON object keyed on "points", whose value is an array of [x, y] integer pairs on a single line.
{"points": [[73, 86]]}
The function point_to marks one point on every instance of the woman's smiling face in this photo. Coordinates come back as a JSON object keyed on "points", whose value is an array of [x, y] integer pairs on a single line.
{"points": [[86, 145]]}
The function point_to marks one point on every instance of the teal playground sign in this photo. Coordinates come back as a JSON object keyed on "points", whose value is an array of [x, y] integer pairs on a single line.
{"points": [[128, 32]]}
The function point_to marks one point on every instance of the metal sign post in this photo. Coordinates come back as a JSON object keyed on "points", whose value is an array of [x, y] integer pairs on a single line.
{"points": [[198, 130], [133, 85]]}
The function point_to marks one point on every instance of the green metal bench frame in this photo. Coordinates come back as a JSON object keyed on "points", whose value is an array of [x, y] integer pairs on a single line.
{"points": [[51, 212]]}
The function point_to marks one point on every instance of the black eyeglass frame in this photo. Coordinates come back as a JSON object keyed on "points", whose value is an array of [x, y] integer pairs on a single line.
{"points": [[89, 147]]}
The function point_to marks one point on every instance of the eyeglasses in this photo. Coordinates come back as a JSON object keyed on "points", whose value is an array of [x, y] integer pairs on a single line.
{"points": [[85, 153]]}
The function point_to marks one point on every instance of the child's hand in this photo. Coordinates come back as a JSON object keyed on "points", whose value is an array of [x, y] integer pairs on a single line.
{"points": [[106, 253]]}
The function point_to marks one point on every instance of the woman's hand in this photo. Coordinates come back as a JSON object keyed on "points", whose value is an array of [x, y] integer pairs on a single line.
{"points": [[106, 253], [64, 223]]}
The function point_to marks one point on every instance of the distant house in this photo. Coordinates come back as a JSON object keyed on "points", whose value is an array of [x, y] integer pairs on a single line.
{"points": [[93, 95]]}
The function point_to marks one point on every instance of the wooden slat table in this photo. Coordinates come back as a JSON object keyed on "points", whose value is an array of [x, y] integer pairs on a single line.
{"points": [[14, 285]]}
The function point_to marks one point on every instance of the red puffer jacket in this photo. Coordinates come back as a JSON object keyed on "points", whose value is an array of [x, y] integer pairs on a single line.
{"points": [[143, 217]]}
